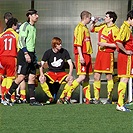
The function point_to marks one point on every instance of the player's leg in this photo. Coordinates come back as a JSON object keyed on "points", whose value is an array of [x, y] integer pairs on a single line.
{"points": [[110, 86], [86, 90], [97, 87], [121, 95], [74, 85], [46, 89]]}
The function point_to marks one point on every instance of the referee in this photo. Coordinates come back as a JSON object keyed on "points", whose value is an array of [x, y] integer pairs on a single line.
{"points": [[26, 59]]}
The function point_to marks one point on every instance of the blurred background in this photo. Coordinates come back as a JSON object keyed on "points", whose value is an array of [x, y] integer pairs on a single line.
{"points": [[59, 18]]}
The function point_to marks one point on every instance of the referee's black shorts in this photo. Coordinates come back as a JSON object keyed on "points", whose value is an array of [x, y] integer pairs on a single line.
{"points": [[23, 67]]}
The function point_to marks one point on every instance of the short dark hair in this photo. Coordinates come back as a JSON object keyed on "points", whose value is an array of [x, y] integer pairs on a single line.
{"points": [[112, 15], [8, 15], [30, 12], [130, 14], [11, 22]]}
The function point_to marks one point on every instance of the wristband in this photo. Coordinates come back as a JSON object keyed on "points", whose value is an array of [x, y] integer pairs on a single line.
{"points": [[24, 49], [25, 53]]}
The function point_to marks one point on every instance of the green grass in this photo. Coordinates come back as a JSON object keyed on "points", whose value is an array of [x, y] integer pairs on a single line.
{"points": [[74, 118]]}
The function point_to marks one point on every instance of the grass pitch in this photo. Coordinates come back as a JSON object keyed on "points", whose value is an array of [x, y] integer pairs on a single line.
{"points": [[74, 118]]}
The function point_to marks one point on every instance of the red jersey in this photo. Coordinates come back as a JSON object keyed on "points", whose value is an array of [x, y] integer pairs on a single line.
{"points": [[8, 43], [125, 37], [82, 39], [106, 34]]}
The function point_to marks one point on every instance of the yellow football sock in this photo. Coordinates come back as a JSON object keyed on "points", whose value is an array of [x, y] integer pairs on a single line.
{"points": [[110, 85], [66, 89], [121, 93], [13, 97], [22, 94], [96, 86], [46, 89], [72, 88], [86, 90]]}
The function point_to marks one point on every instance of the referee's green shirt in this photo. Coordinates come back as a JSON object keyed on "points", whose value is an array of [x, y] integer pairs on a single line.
{"points": [[27, 37]]}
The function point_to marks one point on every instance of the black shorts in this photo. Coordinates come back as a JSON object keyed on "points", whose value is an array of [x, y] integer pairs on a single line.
{"points": [[23, 67]]}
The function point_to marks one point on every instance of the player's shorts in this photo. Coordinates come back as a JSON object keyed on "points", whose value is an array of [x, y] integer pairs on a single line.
{"points": [[2, 71], [9, 64], [85, 69], [125, 65], [23, 67], [104, 62], [56, 76]]}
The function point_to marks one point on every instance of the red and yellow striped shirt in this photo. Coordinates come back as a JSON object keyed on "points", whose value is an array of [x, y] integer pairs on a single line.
{"points": [[8, 43], [106, 34], [82, 39], [125, 36]]}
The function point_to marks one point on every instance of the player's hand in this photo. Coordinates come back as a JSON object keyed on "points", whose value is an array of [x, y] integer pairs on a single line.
{"points": [[82, 61], [69, 78], [27, 58]]}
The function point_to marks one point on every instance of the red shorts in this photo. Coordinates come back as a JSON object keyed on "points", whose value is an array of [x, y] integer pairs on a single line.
{"points": [[85, 69], [2, 71], [125, 65], [56, 76], [104, 62], [9, 64]]}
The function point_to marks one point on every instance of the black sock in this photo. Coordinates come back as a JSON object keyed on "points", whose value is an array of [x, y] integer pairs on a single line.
{"points": [[13, 87], [31, 88]]}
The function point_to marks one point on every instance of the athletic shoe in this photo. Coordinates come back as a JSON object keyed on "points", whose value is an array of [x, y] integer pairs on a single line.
{"points": [[24, 101], [35, 104], [51, 100], [19, 101], [67, 101], [91, 101], [122, 108], [3, 102], [108, 102], [8, 101], [87, 101], [97, 102], [128, 104], [60, 101]]}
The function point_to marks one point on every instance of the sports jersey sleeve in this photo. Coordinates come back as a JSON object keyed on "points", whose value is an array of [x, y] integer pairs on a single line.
{"points": [[124, 33], [97, 28], [67, 55], [22, 36], [78, 35], [45, 56], [16, 36]]}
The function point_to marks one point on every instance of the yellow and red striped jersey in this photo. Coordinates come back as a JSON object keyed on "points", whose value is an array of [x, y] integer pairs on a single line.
{"points": [[82, 39]]}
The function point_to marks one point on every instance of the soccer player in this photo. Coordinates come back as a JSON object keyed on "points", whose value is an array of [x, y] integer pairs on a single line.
{"points": [[26, 58], [82, 51], [124, 42], [7, 16], [56, 58], [8, 52], [104, 62]]}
